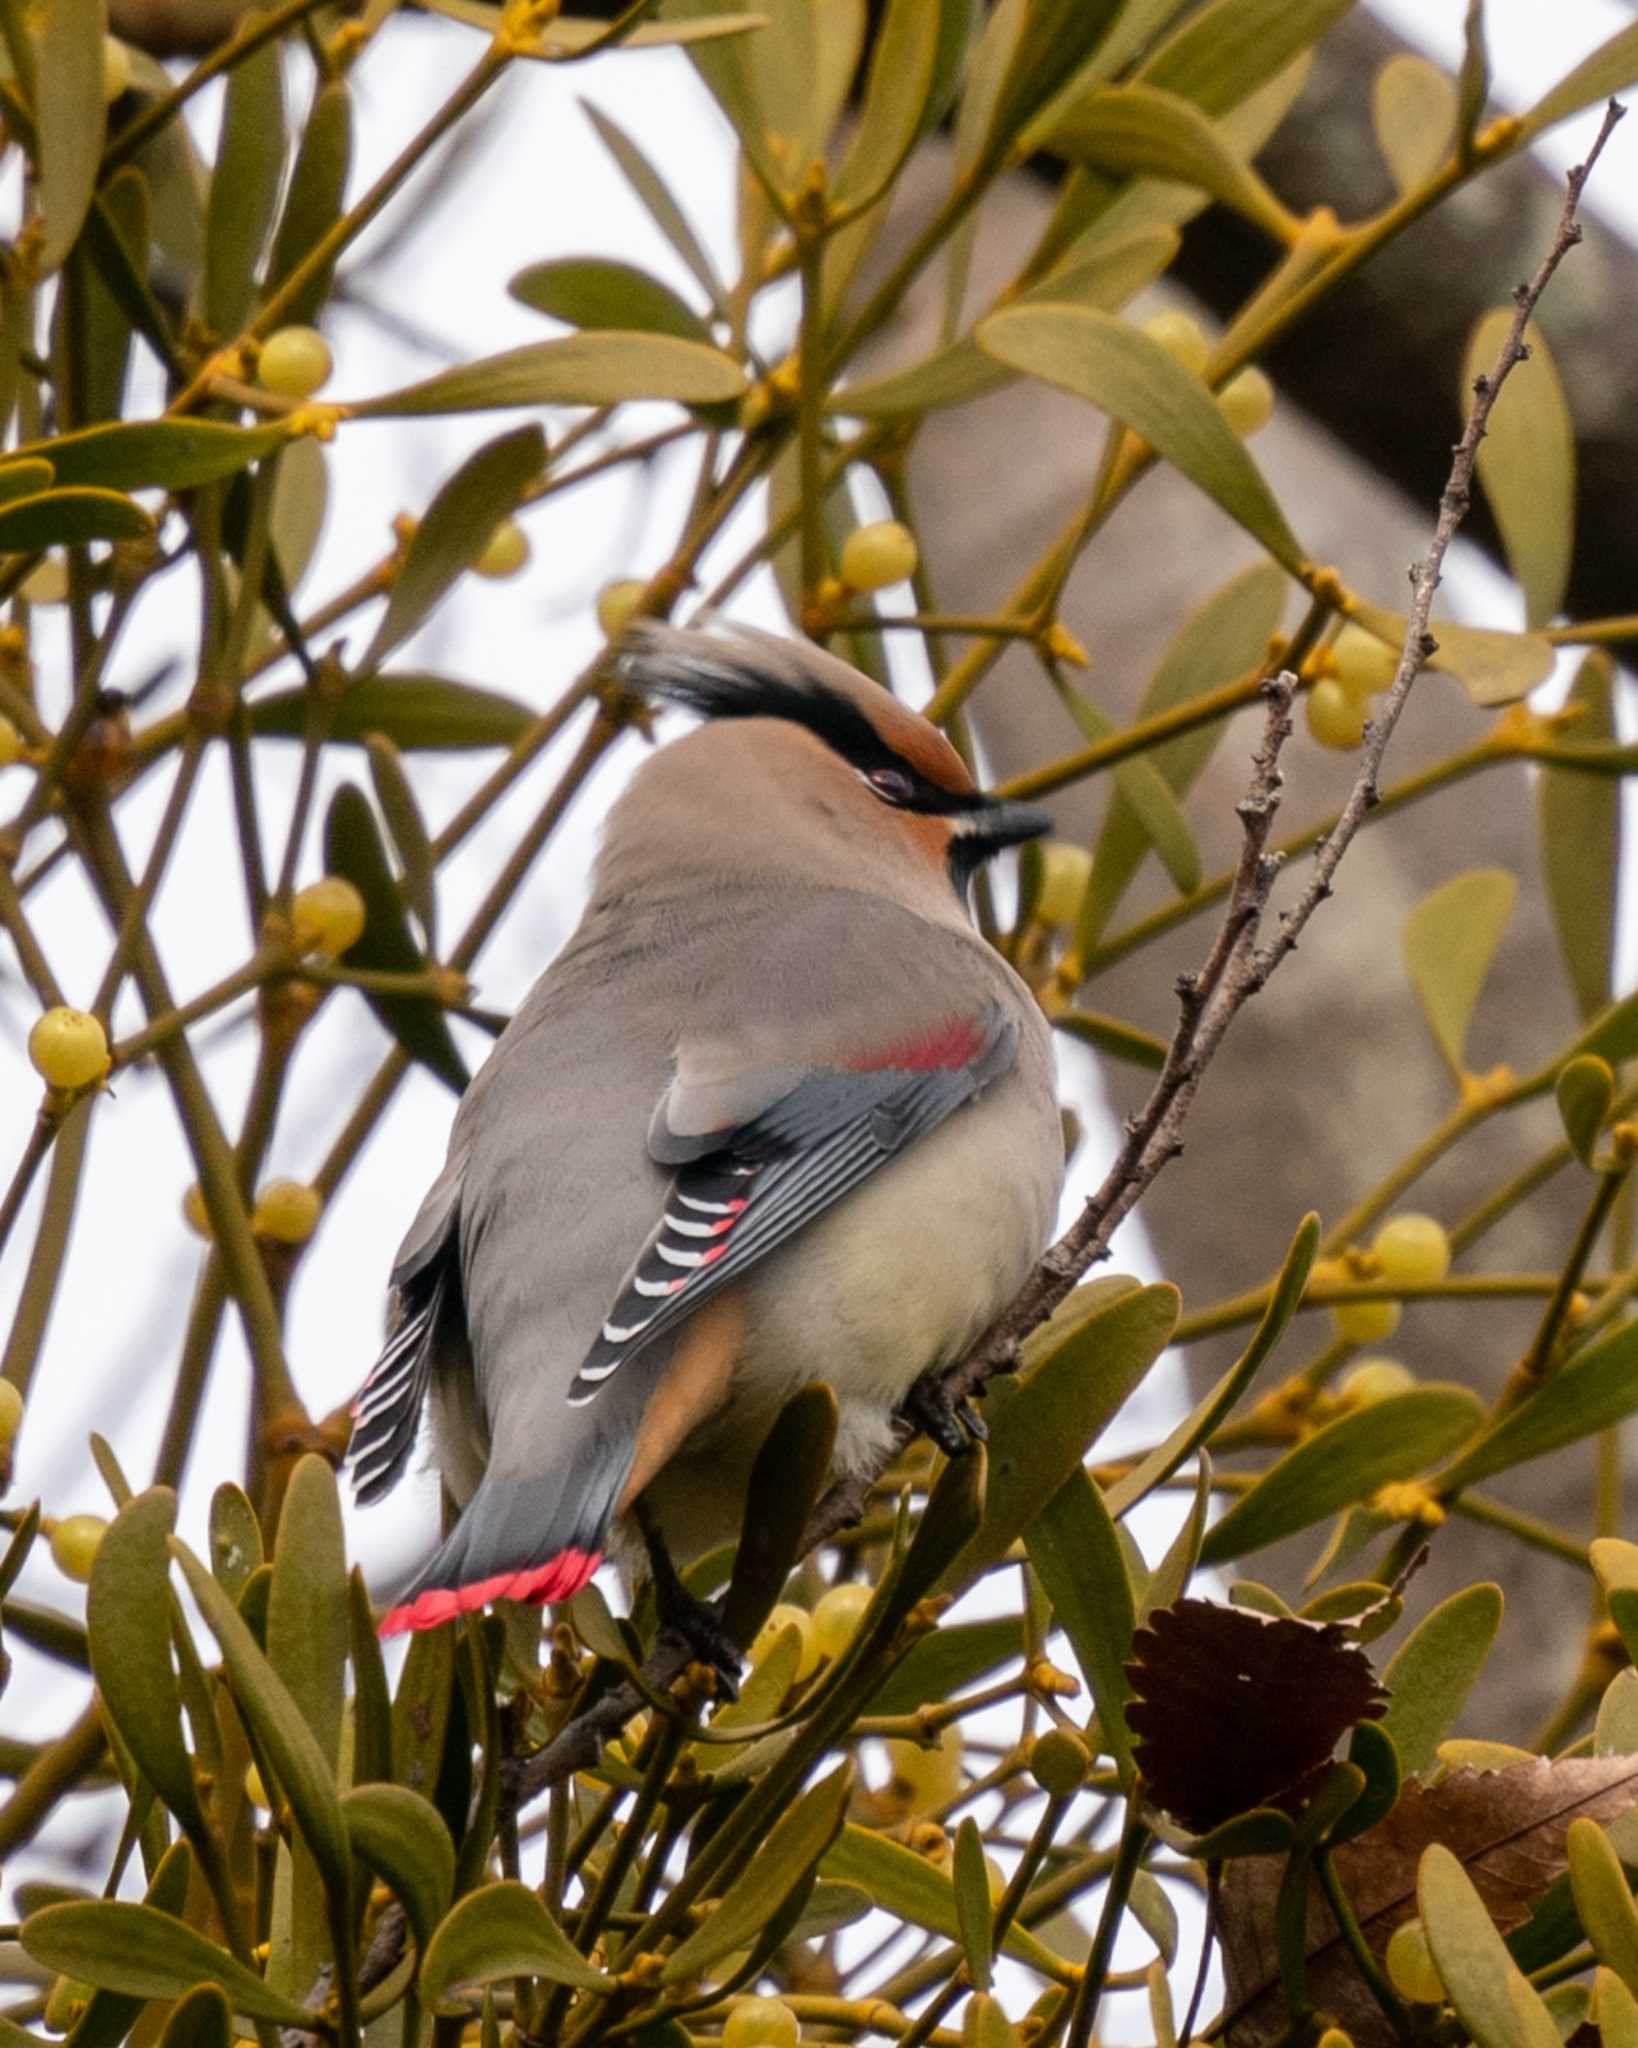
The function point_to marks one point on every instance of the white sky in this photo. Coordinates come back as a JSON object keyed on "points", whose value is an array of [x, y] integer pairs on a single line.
{"points": [[114, 1335]]}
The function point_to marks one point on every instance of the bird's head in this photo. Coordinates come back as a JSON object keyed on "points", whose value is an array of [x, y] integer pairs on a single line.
{"points": [[830, 735]]}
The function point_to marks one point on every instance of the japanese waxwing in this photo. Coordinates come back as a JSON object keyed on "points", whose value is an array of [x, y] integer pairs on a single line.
{"points": [[776, 1113]]}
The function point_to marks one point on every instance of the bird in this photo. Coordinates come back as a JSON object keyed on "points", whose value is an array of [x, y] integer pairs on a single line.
{"points": [[775, 1113]]}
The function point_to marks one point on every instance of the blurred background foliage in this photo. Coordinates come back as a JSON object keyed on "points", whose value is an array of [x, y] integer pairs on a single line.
{"points": [[995, 1821]]}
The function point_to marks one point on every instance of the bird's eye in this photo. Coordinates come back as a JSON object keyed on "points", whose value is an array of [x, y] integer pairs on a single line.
{"points": [[892, 785]]}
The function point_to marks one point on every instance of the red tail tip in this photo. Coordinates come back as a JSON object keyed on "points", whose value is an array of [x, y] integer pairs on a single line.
{"points": [[559, 1578]]}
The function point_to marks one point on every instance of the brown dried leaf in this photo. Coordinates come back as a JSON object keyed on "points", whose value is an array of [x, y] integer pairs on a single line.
{"points": [[1508, 1829]]}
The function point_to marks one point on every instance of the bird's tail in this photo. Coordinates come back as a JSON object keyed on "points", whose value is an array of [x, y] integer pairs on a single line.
{"points": [[517, 1539]]}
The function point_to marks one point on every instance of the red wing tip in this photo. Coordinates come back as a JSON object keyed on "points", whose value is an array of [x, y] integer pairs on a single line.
{"points": [[557, 1579]]}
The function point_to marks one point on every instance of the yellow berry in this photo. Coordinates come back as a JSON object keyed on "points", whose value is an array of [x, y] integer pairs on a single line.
{"points": [[761, 2023], [617, 605], [995, 1880], [1361, 663], [326, 917], [505, 552], [68, 1048], [46, 582], [1365, 1322], [286, 1211], [294, 362], [74, 1543], [1375, 1379], [194, 1213], [1182, 338], [1335, 718], [928, 1778], [836, 1618], [783, 1617], [1247, 401], [1058, 1761], [1412, 1248], [1410, 1965], [65, 2004], [875, 556], [1065, 871], [255, 1790], [11, 1414], [11, 742], [116, 68]]}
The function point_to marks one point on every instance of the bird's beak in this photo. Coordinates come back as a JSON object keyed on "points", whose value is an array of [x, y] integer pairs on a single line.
{"points": [[1000, 821]]}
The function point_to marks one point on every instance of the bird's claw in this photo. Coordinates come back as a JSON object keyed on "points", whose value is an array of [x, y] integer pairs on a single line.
{"points": [[955, 1426], [697, 1626]]}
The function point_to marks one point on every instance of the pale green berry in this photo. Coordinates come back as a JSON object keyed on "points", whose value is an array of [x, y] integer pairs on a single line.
{"points": [[928, 1778], [116, 68], [74, 1543], [1413, 1249], [1365, 1322], [1334, 718], [504, 554], [1065, 871], [1410, 1965], [1247, 401], [255, 1790], [786, 1616], [326, 917], [837, 1616], [1375, 1379], [194, 1213], [69, 1049], [11, 1414], [617, 604], [761, 2023], [286, 1211], [1059, 1761], [1182, 338], [294, 362], [1361, 663], [11, 742], [875, 556]]}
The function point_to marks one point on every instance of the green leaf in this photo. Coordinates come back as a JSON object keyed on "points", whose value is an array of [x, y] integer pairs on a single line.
{"points": [[62, 518], [788, 1856], [145, 1953], [420, 1709], [396, 796], [1603, 1899], [402, 1837], [1473, 80], [304, 1773], [1055, 39], [1043, 1422], [24, 479], [235, 1538], [1108, 1035], [110, 2016], [203, 2018], [1343, 1462], [71, 118], [307, 1601], [1492, 667], [598, 291], [946, 1662], [1131, 377], [501, 1930], [1105, 278], [1197, 1428], [905, 63], [1594, 1390], [789, 1475], [1075, 1549], [313, 203], [592, 368], [128, 1618], [1141, 131], [413, 710], [244, 187], [1413, 106], [656, 197], [972, 1896], [1228, 50], [1222, 639], [1371, 1751], [372, 1705], [1613, 1033], [107, 324], [1449, 941], [454, 531], [1585, 1089], [1150, 803], [910, 1888], [1526, 463], [774, 85], [1615, 2011], [1468, 1953], [1610, 69], [1579, 832], [353, 849], [1615, 1731], [171, 454], [1432, 1672]]}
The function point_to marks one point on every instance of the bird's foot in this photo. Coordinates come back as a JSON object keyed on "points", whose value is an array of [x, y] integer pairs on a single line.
{"points": [[955, 1426], [698, 1627]]}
